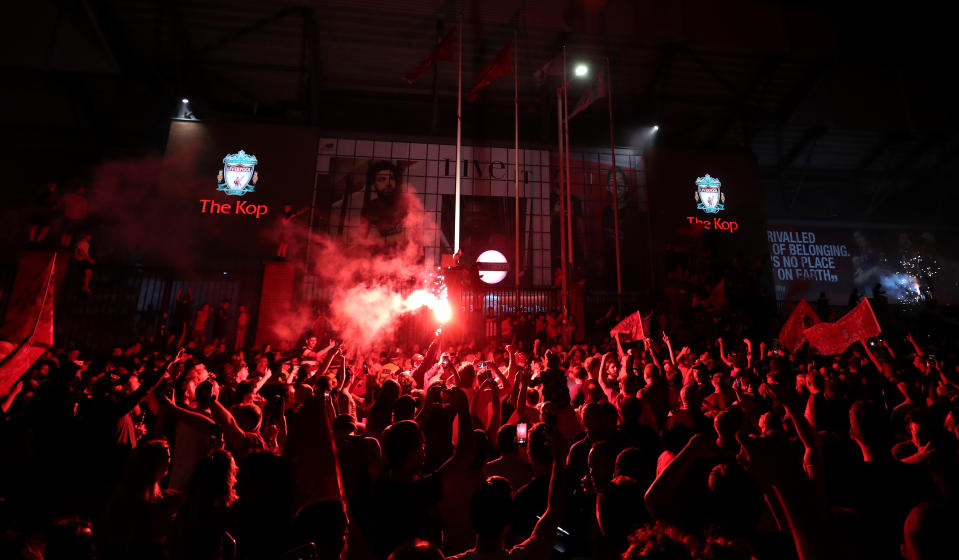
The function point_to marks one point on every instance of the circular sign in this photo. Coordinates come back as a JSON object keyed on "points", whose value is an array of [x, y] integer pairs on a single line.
{"points": [[492, 267]]}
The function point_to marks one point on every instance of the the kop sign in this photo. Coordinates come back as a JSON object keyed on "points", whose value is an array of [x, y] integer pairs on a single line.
{"points": [[711, 200]]}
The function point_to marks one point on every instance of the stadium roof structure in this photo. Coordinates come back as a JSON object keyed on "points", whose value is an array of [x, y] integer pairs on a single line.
{"points": [[849, 112]]}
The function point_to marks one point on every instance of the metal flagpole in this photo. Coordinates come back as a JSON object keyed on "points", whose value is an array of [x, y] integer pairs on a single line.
{"points": [[516, 255], [612, 153], [459, 133], [569, 200], [562, 199]]}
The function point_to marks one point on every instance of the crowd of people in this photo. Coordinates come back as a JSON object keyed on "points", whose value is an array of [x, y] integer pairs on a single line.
{"points": [[520, 445]]}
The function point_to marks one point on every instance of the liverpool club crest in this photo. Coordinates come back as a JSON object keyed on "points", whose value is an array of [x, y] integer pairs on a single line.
{"points": [[709, 197], [238, 175]]}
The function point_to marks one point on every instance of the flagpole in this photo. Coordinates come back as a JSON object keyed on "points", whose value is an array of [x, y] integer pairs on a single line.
{"points": [[459, 133], [436, 81], [562, 198], [516, 255], [569, 200], [612, 171]]}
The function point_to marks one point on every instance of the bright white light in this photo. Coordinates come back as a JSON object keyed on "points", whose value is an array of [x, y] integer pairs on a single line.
{"points": [[185, 100], [581, 70], [491, 276], [442, 311], [655, 127]]}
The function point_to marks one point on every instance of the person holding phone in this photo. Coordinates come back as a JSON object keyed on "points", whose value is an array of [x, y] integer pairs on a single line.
{"points": [[512, 464], [491, 502]]}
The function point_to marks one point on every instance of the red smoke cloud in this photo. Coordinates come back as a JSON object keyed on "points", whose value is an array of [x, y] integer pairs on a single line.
{"points": [[373, 283]]}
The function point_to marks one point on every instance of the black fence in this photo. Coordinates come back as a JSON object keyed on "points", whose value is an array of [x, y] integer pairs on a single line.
{"points": [[131, 302]]}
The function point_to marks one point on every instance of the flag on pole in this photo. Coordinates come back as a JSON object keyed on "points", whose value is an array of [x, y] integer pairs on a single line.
{"points": [[552, 68], [631, 325], [791, 334], [833, 338], [595, 91], [445, 51], [17, 354], [500, 66]]}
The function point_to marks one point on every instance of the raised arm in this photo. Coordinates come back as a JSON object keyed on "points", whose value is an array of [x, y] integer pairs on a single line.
{"points": [[311, 452], [652, 353], [555, 502], [127, 403], [465, 442], [512, 367], [669, 346], [492, 427], [661, 497], [262, 380], [315, 378], [771, 461], [915, 346], [722, 353], [885, 344], [193, 419], [429, 360], [233, 434], [749, 352], [872, 357]]}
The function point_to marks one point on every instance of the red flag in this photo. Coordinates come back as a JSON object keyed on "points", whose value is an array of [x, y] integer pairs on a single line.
{"points": [[833, 338], [791, 334], [552, 68], [596, 91], [17, 355], [632, 325], [445, 50], [500, 66]]}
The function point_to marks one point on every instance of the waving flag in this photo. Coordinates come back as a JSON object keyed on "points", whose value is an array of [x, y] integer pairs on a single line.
{"points": [[631, 325], [28, 332], [833, 338], [500, 66], [552, 68], [445, 50], [596, 91], [791, 335]]}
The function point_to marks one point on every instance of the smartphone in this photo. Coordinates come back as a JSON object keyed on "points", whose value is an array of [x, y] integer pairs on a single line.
{"points": [[521, 430]]}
